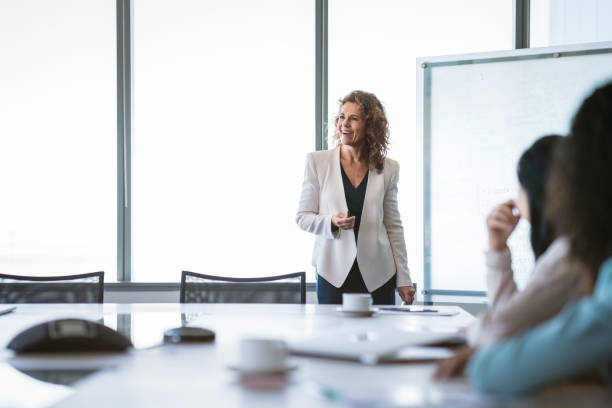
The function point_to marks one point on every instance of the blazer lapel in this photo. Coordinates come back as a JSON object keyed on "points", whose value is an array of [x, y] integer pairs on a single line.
{"points": [[371, 204], [335, 179]]}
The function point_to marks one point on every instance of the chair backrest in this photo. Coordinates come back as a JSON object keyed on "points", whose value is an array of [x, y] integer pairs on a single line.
{"points": [[83, 288], [200, 288]]}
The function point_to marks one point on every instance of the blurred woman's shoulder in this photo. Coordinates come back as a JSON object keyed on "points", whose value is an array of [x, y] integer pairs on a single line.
{"points": [[557, 261]]}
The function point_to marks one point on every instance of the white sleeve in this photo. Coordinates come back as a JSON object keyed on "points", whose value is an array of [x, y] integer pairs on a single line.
{"points": [[395, 231], [308, 217], [551, 286], [500, 287]]}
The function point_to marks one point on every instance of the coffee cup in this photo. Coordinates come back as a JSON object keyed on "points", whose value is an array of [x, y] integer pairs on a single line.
{"points": [[262, 355], [356, 302]]}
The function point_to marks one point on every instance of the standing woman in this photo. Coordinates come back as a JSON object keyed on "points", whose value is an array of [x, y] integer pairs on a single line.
{"points": [[349, 201]]}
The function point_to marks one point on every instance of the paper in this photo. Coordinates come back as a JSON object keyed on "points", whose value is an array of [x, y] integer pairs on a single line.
{"points": [[363, 345], [421, 311]]}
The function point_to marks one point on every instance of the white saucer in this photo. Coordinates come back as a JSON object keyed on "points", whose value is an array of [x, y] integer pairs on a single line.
{"points": [[277, 370], [351, 313]]}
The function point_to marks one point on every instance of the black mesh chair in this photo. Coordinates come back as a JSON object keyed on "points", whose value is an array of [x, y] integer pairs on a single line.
{"points": [[83, 288], [200, 288]]}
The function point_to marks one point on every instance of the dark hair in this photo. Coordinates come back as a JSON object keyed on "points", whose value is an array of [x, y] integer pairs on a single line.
{"points": [[580, 189], [376, 127], [532, 172]]}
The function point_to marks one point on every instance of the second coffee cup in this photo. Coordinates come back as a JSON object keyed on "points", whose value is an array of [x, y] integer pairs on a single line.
{"points": [[356, 302]]}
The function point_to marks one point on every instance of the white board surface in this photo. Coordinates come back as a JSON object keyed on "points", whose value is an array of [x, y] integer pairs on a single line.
{"points": [[480, 113]]}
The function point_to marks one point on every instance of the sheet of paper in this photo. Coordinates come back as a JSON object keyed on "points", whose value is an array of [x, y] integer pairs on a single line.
{"points": [[421, 311]]}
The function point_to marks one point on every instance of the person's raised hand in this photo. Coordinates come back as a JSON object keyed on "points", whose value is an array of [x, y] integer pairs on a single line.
{"points": [[342, 221], [454, 366], [500, 224]]}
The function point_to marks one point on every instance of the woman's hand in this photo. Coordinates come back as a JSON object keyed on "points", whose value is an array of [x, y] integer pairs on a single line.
{"points": [[500, 223], [341, 221], [454, 366], [406, 293]]}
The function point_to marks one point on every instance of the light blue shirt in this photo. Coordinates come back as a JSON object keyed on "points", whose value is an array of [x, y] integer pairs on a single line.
{"points": [[577, 341]]}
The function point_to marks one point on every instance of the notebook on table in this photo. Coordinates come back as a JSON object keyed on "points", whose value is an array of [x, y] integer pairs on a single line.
{"points": [[363, 345]]}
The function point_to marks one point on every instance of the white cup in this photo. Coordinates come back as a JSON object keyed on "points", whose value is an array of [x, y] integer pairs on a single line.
{"points": [[262, 355], [356, 302]]}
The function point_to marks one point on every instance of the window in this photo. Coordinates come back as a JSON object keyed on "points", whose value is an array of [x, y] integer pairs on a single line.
{"points": [[557, 22], [224, 117], [373, 47], [58, 213]]}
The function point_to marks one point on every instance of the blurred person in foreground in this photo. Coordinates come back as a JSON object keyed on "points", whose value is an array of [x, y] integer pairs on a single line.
{"points": [[578, 340], [555, 280]]}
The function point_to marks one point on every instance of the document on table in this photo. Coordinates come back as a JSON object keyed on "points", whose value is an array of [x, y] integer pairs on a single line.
{"points": [[366, 346], [421, 311]]}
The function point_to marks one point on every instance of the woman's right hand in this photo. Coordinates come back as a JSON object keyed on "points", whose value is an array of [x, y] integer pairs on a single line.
{"points": [[341, 221], [500, 223]]}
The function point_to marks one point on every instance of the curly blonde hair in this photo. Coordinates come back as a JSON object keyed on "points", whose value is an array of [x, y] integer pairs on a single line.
{"points": [[376, 127]]}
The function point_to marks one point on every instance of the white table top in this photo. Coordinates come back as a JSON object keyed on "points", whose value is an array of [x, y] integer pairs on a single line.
{"points": [[198, 375]]}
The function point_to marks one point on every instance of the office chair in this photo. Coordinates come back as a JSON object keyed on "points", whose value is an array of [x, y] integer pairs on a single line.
{"points": [[83, 288], [200, 288]]}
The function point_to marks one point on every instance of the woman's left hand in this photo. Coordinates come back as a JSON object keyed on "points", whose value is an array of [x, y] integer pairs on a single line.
{"points": [[406, 293]]}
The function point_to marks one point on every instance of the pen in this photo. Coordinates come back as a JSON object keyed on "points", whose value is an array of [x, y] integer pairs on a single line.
{"points": [[9, 310]]}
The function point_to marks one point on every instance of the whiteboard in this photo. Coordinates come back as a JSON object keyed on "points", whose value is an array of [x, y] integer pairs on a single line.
{"points": [[476, 115]]}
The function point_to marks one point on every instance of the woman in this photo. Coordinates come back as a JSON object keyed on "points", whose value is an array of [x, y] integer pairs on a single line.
{"points": [[553, 282], [349, 201], [577, 341]]}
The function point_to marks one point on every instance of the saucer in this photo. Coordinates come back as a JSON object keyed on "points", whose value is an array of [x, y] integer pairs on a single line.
{"points": [[287, 367], [268, 380], [357, 313]]}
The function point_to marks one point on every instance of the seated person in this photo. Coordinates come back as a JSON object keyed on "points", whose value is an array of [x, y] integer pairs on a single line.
{"points": [[577, 341], [553, 282]]}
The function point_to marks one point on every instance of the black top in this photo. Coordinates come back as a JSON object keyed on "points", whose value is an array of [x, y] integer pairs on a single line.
{"points": [[354, 198]]}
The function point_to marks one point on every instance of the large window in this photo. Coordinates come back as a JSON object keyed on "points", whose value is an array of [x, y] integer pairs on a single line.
{"points": [[58, 137], [557, 22], [224, 113], [373, 47], [224, 116]]}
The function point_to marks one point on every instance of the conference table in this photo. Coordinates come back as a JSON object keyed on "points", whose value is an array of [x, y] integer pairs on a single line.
{"points": [[153, 374]]}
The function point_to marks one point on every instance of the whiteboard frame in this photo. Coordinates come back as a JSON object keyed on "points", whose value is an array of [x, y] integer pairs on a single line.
{"points": [[424, 67]]}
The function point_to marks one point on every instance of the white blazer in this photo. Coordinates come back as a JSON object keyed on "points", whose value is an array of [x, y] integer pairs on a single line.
{"points": [[380, 250]]}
